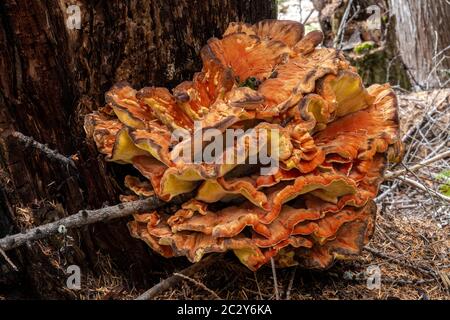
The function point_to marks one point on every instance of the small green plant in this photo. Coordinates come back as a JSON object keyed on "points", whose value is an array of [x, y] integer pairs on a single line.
{"points": [[364, 47], [251, 82], [444, 177]]}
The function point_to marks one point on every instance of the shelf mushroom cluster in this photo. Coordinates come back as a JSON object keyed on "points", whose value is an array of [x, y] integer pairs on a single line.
{"points": [[333, 140]]}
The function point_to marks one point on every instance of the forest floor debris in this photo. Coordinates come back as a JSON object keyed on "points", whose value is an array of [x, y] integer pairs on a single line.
{"points": [[420, 243]]}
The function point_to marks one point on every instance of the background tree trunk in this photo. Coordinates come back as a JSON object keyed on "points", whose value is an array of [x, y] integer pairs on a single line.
{"points": [[413, 43], [372, 50], [50, 77], [423, 31]]}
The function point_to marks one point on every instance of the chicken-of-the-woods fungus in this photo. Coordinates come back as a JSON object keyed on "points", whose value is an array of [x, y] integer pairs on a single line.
{"points": [[332, 138]]}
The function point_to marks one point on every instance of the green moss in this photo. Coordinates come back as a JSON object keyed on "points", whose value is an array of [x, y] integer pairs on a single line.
{"points": [[373, 66], [364, 47]]}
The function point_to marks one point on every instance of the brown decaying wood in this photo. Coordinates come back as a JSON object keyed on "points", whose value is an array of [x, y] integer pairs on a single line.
{"points": [[50, 77]]}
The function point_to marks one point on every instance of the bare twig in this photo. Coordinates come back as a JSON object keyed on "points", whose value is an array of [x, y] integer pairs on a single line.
{"points": [[441, 52], [291, 283], [309, 16], [400, 281], [175, 279], [428, 190], [85, 217], [393, 241], [426, 116], [43, 149], [199, 284], [275, 282], [257, 285], [261, 296], [395, 174], [424, 188], [400, 261], [8, 260], [387, 192], [388, 70], [340, 33]]}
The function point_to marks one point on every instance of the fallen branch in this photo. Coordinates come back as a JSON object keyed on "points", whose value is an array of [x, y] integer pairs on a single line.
{"points": [[175, 278], [85, 217], [395, 174], [400, 261], [424, 188], [400, 281], [43, 149]]}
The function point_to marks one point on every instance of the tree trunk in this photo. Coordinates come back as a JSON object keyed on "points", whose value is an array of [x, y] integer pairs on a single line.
{"points": [[423, 32], [51, 75]]}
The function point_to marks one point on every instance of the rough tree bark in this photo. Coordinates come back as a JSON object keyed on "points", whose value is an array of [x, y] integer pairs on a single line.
{"points": [[423, 33], [50, 76]]}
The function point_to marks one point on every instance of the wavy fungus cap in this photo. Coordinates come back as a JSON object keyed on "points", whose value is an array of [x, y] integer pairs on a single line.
{"points": [[333, 137]]}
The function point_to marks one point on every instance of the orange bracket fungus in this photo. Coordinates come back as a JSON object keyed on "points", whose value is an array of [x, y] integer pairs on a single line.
{"points": [[323, 138]]}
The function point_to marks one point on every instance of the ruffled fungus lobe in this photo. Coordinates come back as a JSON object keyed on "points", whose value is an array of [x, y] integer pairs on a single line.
{"points": [[333, 139]]}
